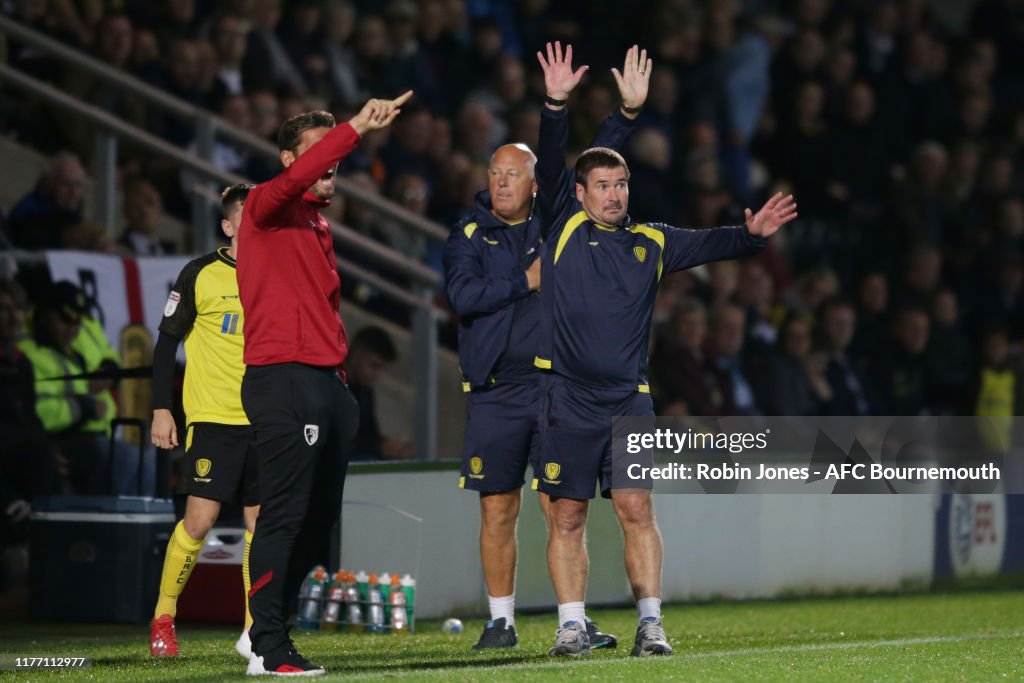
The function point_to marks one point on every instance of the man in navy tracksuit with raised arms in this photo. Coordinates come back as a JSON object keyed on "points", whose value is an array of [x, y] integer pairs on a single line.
{"points": [[301, 412], [600, 275], [492, 273]]}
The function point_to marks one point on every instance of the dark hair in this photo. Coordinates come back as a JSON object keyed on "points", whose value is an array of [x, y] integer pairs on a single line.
{"points": [[235, 193], [375, 340], [291, 130], [598, 157], [833, 302]]}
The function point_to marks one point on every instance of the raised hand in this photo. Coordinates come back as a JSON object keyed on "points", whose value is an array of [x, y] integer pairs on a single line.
{"points": [[775, 213], [377, 114], [635, 77], [559, 78]]}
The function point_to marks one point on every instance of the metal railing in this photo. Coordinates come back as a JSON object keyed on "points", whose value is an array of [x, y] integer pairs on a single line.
{"points": [[208, 128], [111, 130]]}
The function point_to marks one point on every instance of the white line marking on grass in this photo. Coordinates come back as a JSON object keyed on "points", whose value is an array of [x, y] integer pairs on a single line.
{"points": [[854, 645], [552, 663]]}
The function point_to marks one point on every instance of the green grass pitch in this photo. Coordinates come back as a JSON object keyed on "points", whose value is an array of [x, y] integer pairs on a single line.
{"points": [[963, 636]]}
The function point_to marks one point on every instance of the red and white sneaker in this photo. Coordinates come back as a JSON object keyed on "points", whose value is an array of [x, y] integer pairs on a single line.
{"points": [[163, 642], [285, 662]]}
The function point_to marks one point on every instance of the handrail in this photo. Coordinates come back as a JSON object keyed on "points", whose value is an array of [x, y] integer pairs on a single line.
{"points": [[404, 265], [153, 95], [386, 288]]}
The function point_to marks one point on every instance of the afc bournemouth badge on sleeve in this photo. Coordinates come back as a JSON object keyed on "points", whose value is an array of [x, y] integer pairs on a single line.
{"points": [[172, 304]]}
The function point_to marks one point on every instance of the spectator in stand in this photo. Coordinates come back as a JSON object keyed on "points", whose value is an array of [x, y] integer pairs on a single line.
{"points": [[75, 413], [859, 156], [114, 44], [901, 375], [922, 275], [995, 388], [412, 192], [813, 287], [851, 393], [802, 148], [180, 75], [476, 131], [409, 144], [28, 461], [1002, 300], [56, 202], [785, 386], [299, 34], [649, 162], [728, 328], [755, 293], [338, 83], [143, 208], [918, 204], [870, 340], [229, 36], [684, 380], [723, 279], [371, 353], [950, 354], [267, 64], [407, 65]]}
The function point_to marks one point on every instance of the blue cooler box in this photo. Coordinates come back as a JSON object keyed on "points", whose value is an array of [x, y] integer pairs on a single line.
{"points": [[97, 558]]}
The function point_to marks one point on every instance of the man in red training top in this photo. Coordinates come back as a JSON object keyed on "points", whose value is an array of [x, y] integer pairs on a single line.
{"points": [[302, 413]]}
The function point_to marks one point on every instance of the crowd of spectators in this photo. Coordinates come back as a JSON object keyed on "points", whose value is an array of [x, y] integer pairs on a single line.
{"points": [[899, 290]]}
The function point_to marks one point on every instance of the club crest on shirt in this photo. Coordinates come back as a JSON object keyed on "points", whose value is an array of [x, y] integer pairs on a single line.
{"points": [[640, 253], [172, 304], [312, 433]]}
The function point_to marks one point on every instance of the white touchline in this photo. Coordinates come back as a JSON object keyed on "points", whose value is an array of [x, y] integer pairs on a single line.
{"points": [[853, 645], [810, 647]]}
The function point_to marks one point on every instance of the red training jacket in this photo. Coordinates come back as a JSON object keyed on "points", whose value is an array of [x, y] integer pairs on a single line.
{"points": [[287, 275]]}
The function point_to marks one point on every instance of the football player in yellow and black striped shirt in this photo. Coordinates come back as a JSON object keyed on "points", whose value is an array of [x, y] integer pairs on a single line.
{"points": [[204, 310]]}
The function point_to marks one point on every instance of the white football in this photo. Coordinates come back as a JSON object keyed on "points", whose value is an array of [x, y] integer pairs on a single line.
{"points": [[452, 626]]}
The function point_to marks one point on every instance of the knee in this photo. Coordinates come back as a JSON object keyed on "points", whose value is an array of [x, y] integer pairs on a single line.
{"points": [[197, 526], [499, 513], [635, 513], [567, 521]]}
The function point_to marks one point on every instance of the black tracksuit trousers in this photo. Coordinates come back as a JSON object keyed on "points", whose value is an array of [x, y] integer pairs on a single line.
{"points": [[303, 419]]}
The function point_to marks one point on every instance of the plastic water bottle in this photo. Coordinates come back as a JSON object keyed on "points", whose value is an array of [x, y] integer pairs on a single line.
{"points": [[309, 598], [375, 608], [384, 580], [409, 588], [353, 610], [362, 584], [335, 596], [399, 616]]}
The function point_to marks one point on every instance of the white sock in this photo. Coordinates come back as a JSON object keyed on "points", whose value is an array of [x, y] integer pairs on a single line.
{"points": [[503, 607], [648, 607], [572, 611]]}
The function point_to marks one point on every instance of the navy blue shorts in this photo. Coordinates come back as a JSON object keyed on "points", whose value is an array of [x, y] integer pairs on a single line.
{"points": [[501, 437], [575, 454]]}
